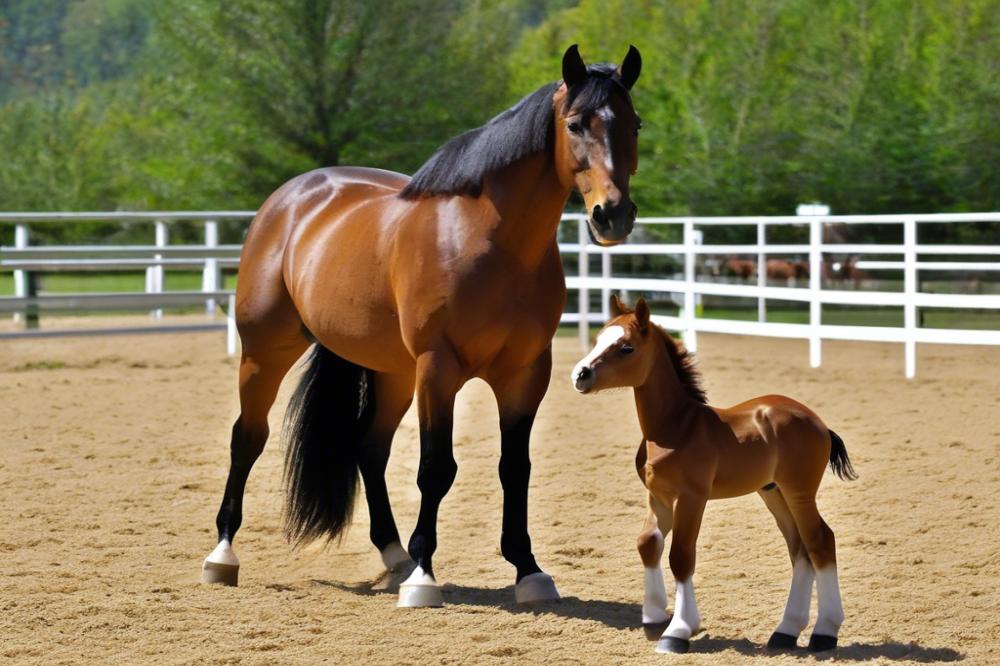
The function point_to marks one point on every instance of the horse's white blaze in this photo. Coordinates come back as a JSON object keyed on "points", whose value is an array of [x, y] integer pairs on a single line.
{"points": [[797, 609], [686, 618], [831, 613], [607, 115], [654, 602], [223, 554], [607, 338]]}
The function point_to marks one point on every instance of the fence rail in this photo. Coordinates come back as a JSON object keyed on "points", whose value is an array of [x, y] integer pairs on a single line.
{"points": [[211, 257]]}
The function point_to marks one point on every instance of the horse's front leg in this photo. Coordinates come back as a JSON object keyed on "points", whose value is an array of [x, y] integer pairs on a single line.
{"points": [[438, 379], [658, 523], [688, 510], [518, 393]]}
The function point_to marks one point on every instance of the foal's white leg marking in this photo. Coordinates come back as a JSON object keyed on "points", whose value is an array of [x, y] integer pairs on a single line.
{"points": [[394, 557], [605, 339], [420, 590], [797, 609], [686, 618], [831, 613], [654, 602], [221, 565]]}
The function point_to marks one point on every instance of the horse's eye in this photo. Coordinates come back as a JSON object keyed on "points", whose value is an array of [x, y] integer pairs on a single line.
{"points": [[627, 349], [575, 127]]}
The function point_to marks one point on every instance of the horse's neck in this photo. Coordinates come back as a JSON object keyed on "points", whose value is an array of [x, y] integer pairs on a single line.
{"points": [[663, 404], [528, 201]]}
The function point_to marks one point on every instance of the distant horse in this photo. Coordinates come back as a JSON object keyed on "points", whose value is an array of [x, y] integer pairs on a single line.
{"points": [[422, 284], [742, 268], [691, 453]]}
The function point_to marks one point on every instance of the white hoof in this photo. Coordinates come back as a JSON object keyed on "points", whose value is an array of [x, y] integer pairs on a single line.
{"points": [[221, 566], [420, 590], [536, 588]]}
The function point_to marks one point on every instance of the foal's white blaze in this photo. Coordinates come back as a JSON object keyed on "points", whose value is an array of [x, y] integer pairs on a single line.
{"points": [[223, 554], [654, 602], [797, 609], [607, 338], [831, 613], [686, 618]]}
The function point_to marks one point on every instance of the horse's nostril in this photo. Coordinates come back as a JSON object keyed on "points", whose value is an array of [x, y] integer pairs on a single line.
{"points": [[584, 373], [599, 216]]}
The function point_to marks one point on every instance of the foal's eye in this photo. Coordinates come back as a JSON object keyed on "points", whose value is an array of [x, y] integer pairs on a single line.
{"points": [[575, 127], [627, 349]]}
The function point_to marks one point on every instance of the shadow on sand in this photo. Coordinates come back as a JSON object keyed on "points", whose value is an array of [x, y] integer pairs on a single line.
{"points": [[622, 616]]}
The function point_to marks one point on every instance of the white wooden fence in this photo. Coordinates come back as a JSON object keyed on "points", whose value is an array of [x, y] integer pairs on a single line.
{"points": [[211, 257]]}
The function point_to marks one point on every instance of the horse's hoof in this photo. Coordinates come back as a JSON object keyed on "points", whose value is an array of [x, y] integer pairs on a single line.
{"points": [[536, 588], [420, 590], [821, 643], [654, 631], [672, 645], [780, 641], [221, 566]]}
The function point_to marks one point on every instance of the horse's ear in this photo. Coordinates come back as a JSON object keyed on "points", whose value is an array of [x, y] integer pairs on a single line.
{"points": [[617, 308], [642, 313], [574, 70], [629, 70]]}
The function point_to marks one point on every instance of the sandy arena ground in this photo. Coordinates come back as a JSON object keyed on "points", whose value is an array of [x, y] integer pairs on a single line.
{"points": [[115, 453]]}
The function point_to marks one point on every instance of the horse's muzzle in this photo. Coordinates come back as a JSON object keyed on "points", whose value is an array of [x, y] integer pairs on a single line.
{"points": [[583, 378], [611, 224]]}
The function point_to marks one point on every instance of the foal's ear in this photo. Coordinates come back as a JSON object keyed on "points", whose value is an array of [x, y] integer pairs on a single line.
{"points": [[642, 314], [617, 308], [574, 70], [628, 71]]}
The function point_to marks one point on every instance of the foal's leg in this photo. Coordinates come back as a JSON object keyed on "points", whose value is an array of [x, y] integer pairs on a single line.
{"points": [[438, 380], [688, 511], [820, 544], [518, 395], [796, 615], [650, 545], [261, 372], [393, 395]]}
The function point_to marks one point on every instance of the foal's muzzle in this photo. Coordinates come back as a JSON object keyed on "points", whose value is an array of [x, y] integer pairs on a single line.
{"points": [[583, 378], [611, 224]]}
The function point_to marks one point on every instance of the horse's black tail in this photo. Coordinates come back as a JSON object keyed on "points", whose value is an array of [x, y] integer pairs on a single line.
{"points": [[839, 462], [326, 420]]}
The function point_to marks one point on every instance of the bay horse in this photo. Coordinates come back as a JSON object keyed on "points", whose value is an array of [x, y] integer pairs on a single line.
{"points": [[691, 453], [417, 285]]}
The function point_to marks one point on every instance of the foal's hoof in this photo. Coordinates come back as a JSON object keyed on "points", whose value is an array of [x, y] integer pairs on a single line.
{"points": [[672, 645], [821, 643], [654, 631], [536, 588], [420, 590], [221, 566], [780, 641]]}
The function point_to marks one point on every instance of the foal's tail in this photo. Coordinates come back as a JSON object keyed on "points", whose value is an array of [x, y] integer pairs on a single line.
{"points": [[327, 418], [839, 462]]}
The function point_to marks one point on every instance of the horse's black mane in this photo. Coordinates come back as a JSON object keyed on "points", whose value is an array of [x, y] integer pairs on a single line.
{"points": [[460, 165], [685, 367]]}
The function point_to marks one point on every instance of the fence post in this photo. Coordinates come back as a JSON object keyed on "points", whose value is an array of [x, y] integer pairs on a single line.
{"points": [[20, 277], [815, 284], [210, 278], [583, 270], [910, 291], [605, 288], [761, 272], [154, 280], [231, 326], [689, 334]]}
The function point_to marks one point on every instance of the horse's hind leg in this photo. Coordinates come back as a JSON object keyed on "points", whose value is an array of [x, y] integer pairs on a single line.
{"points": [[796, 615], [650, 546], [261, 372], [393, 395], [820, 544]]}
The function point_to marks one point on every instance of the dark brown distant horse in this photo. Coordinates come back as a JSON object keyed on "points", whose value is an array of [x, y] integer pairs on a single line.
{"points": [[691, 453], [421, 284]]}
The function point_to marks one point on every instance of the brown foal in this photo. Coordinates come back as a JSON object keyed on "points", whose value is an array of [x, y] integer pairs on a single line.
{"points": [[691, 453]]}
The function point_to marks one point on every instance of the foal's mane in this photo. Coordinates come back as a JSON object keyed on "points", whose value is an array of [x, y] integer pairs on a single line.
{"points": [[684, 366], [460, 165]]}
